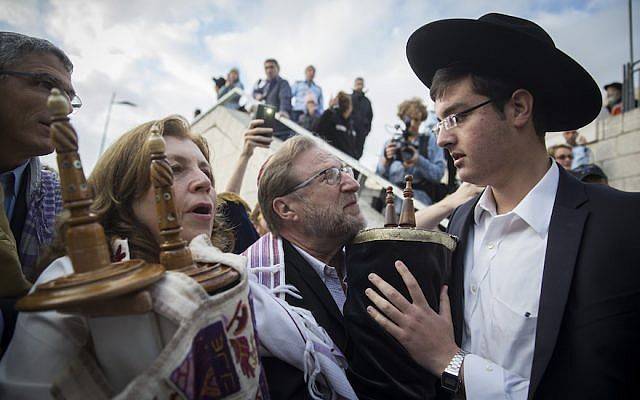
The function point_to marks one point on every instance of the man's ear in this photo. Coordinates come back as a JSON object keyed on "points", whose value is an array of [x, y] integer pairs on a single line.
{"points": [[522, 108], [284, 208]]}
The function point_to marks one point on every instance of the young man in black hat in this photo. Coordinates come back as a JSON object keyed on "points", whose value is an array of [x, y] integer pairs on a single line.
{"points": [[544, 294]]}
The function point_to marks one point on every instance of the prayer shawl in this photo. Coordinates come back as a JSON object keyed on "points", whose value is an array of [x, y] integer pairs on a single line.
{"points": [[296, 337], [204, 345], [208, 347], [44, 202]]}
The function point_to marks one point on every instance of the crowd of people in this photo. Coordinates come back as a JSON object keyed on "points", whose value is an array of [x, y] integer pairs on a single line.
{"points": [[541, 299], [345, 123]]}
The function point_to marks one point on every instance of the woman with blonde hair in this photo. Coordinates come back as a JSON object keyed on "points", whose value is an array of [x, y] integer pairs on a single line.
{"points": [[124, 194]]}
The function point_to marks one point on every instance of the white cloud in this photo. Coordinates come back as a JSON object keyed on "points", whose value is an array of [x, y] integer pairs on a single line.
{"points": [[23, 13]]}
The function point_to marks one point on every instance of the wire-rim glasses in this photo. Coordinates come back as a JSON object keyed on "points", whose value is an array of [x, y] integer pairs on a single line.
{"points": [[451, 121], [332, 176], [47, 82]]}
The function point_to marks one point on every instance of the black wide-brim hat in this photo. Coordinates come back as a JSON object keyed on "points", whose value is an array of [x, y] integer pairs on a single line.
{"points": [[508, 47]]}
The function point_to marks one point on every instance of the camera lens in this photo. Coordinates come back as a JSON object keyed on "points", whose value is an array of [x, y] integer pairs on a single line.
{"points": [[407, 154]]}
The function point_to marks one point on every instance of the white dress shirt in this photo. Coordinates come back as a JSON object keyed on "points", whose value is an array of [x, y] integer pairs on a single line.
{"points": [[502, 280], [328, 275]]}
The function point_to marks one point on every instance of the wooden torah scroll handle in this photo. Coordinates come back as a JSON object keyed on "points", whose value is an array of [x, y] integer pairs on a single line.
{"points": [[390, 217], [174, 253], [97, 287], [408, 212]]}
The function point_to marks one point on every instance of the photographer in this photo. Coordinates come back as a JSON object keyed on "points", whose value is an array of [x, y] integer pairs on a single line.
{"points": [[223, 86], [415, 154]]}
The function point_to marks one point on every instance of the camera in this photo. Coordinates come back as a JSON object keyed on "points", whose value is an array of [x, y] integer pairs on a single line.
{"points": [[405, 150], [219, 81]]}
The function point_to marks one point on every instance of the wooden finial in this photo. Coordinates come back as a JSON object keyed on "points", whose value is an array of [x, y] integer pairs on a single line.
{"points": [[408, 213], [390, 217], [58, 104], [97, 287], [85, 242], [174, 253]]}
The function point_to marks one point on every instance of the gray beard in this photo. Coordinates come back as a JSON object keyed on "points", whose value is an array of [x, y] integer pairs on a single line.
{"points": [[329, 222]]}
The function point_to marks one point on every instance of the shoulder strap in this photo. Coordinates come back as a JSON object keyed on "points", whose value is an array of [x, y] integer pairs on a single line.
{"points": [[423, 145]]}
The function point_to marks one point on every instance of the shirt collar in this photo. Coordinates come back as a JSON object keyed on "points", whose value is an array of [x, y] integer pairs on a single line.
{"points": [[535, 208], [17, 173], [316, 264]]}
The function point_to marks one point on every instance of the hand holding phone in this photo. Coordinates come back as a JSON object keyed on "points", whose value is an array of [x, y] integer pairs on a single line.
{"points": [[267, 113], [256, 136]]}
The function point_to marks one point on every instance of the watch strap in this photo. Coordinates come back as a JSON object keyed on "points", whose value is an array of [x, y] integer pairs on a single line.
{"points": [[451, 375]]}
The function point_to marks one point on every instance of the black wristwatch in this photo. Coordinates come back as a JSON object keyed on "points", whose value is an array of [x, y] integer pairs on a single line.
{"points": [[451, 376]]}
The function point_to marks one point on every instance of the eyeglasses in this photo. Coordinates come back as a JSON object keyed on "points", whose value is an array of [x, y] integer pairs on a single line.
{"points": [[332, 176], [564, 156], [452, 120], [47, 82]]}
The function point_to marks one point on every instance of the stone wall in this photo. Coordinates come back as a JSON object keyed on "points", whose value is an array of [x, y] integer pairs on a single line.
{"points": [[617, 149]]}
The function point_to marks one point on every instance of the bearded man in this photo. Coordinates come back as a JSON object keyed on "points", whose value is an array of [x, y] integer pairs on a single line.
{"points": [[310, 203]]}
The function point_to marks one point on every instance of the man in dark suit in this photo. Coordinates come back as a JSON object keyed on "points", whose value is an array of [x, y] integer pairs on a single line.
{"points": [[545, 286], [274, 90], [29, 68], [309, 200]]}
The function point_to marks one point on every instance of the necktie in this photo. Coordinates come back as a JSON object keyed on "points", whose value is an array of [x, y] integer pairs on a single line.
{"points": [[332, 281]]}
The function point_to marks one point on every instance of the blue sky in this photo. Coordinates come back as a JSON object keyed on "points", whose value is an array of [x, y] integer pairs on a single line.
{"points": [[162, 54]]}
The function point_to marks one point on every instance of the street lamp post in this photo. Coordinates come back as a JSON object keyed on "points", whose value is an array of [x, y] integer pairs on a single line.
{"points": [[106, 123], [631, 60]]}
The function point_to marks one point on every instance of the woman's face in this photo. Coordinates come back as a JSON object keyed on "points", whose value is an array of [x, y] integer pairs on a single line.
{"points": [[194, 194], [415, 124]]}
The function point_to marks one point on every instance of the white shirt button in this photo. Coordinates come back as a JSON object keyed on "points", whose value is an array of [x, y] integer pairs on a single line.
{"points": [[474, 288], [489, 368], [491, 246]]}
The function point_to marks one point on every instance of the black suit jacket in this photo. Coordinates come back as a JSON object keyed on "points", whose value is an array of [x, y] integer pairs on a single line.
{"points": [[588, 329], [286, 381]]}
